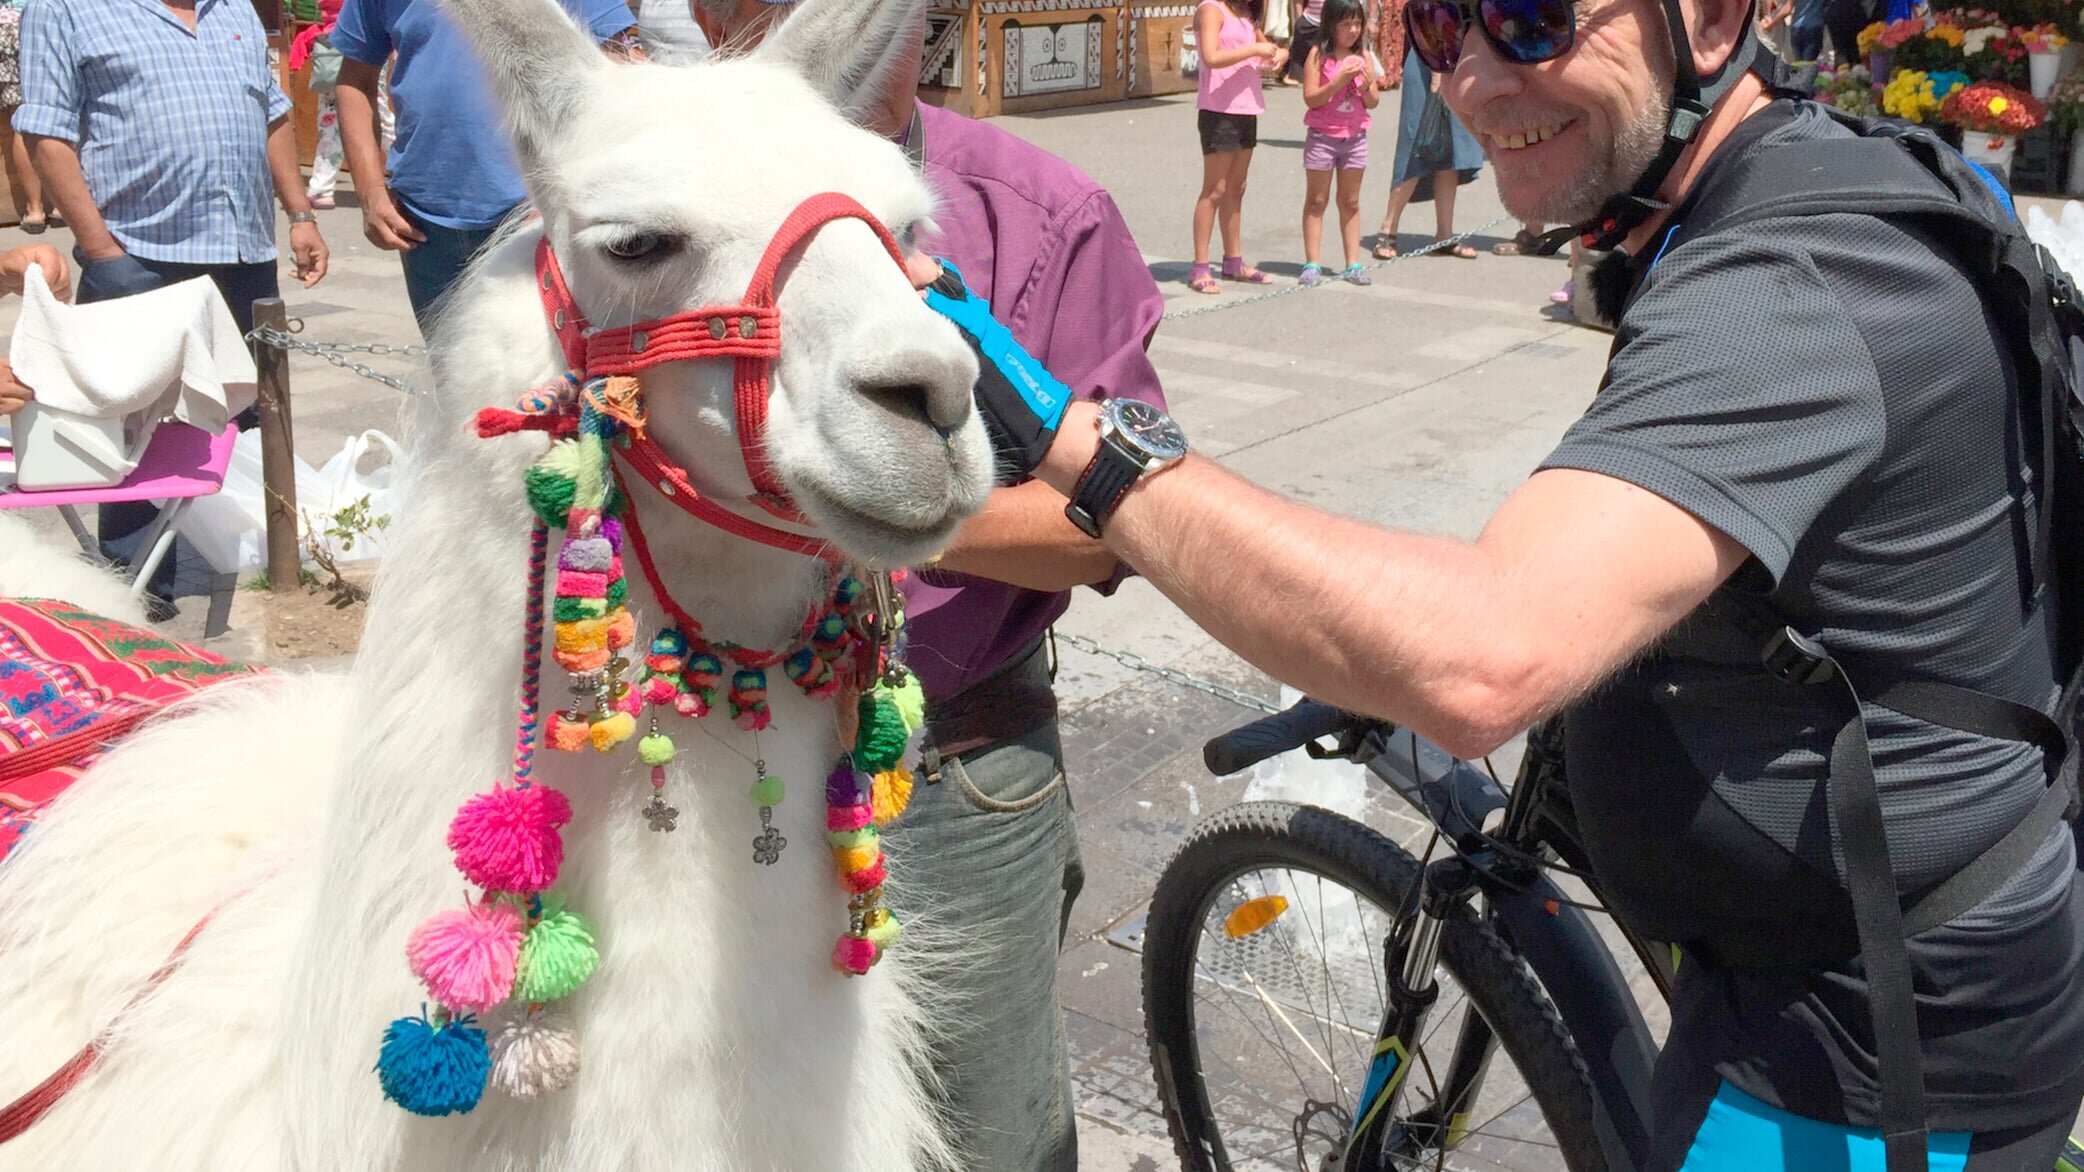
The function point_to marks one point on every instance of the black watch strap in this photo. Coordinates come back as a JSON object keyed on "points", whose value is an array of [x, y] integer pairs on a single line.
{"points": [[1102, 487]]}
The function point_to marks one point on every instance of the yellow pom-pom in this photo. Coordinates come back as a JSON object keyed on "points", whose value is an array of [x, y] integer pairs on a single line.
{"points": [[853, 859], [582, 635], [891, 794], [608, 733]]}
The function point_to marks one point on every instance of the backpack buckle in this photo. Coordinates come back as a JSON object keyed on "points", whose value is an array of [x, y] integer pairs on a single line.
{"points": [[1797, 659]]}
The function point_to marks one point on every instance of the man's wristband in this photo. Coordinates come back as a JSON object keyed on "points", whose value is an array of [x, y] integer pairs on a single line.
{"points": [[304, 217]]}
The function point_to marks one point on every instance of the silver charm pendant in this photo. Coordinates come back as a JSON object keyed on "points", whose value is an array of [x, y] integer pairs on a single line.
{"points": [[767, 848], [660, 815]]}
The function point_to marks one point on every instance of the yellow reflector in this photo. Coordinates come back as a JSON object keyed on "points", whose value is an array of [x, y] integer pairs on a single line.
{"points": [[1253, 916]]}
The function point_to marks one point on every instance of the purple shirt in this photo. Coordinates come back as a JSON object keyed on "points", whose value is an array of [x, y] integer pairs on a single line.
{"points": [[1048, 249]]}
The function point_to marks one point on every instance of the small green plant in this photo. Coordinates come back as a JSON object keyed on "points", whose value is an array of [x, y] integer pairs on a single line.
{"points": [[338, 534]]}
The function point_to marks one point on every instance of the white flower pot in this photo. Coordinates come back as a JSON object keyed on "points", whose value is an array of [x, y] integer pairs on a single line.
{"points": [[2044, 69], [1991, 150], [2075, 186]]}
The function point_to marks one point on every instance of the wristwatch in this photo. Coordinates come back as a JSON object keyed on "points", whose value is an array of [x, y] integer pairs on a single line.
{"points": [[1136, 440], [304, 217]]}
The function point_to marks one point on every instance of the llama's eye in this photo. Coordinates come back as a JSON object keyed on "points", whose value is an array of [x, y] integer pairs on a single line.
{"points": [[637, 245]]}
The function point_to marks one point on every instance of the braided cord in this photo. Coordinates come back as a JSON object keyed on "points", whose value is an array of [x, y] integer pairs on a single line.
{"points": [[532, 655]]}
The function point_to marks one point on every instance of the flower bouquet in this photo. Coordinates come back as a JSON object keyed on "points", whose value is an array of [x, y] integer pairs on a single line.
{"points": [[1851, 89], [2044, 38], [1936, 48], [1994, 54], [2044, 44], [1993, 108], [1908, 95]]}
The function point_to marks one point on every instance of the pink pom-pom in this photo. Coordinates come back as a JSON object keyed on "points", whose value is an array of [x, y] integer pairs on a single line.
{"points": [[690, 704], [507, 840], [853, 955], [631, 702], [660, 690], [753, 719], [866, 879], [582, 584], [849, 817], [466, 956]]}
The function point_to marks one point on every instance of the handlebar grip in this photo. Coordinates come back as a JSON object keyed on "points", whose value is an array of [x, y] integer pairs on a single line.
{"points": [[1244, 747]]}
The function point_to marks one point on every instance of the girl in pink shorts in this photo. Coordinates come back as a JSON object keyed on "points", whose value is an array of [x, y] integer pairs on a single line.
{"points": [[1340, 88]]}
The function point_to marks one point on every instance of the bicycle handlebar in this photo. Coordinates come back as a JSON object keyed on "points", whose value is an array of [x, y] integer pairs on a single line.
{"points": [[1246, 746]]}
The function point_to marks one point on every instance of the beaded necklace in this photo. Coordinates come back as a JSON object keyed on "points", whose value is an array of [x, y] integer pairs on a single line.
{"points": [[513, 950]]}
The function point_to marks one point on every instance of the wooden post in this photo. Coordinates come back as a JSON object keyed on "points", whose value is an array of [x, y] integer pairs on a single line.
{"points": [[278, 451]]}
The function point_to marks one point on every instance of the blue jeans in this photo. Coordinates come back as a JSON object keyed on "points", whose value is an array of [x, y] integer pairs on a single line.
{"points": [[989, 854], [432, 265], [1807, 29], [120, 276]]}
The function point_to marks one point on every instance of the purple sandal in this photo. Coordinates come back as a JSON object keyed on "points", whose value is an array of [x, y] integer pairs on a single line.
{"points": [[1235, 269]]}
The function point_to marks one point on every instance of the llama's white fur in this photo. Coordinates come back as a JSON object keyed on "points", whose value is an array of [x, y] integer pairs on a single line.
{"points": [[309, 811]]}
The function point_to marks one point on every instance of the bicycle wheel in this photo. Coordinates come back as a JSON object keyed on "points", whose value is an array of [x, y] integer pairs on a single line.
{"points": [[1263, 992]]}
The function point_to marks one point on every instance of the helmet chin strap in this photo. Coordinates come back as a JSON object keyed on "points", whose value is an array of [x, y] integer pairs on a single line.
{"points": [[1692, 99]]}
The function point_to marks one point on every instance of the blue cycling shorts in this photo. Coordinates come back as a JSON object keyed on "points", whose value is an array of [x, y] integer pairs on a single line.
{"points": [[1743, 1134]]}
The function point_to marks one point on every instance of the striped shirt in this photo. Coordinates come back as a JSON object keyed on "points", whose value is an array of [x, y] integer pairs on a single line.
{"points": [[172, 125]]}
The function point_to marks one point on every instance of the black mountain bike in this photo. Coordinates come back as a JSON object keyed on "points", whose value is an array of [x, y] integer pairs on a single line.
{"points": [[1319, 1000]]}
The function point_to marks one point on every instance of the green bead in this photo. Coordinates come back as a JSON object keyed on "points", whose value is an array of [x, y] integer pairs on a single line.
{"points": [[767, 791], [655, 749], [618, 591], [884, 933]]}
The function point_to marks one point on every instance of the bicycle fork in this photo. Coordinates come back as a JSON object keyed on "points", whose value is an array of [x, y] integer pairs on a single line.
{"points": [[1410, 962]]}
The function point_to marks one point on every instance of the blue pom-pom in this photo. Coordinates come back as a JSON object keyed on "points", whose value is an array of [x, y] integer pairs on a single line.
{"points": [[434, 1070]]}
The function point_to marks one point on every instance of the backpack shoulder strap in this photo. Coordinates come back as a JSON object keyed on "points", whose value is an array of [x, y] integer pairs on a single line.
{"points": [[1877, 175]]}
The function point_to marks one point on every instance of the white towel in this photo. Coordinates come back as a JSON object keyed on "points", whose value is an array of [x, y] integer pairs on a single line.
{"points": [[170, 353]]}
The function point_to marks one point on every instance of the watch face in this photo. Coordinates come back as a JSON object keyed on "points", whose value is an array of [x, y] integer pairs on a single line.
{"points": [[1147, 428]]}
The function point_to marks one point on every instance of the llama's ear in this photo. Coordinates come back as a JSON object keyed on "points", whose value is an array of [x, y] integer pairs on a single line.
{"points": [[540, 65], [852, 51]]}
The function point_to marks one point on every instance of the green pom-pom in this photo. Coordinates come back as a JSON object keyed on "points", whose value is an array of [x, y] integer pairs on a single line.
{"points": [[557, 956], [767, 791], [883, 734], [849, 839], [910, 700], [655, 749], [549, 493], [618, 591], [570, 610], [883, 934]]}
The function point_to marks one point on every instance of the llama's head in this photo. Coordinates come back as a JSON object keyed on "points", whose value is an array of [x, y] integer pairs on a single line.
{"points": [[660, 188]]}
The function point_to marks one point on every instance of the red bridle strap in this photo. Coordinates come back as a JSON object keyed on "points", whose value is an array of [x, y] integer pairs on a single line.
{"points": [[749, 333]]}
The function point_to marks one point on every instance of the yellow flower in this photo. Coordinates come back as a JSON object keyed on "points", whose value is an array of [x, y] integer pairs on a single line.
{"points": [[1868, 36], [1948, 33], [1999, 105]]}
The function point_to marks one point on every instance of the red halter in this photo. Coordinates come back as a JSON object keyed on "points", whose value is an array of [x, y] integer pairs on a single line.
{"points": [[749, 332]]}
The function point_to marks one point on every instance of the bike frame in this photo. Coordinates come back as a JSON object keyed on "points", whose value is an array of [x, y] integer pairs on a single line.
{"points": [[1523, 904]]}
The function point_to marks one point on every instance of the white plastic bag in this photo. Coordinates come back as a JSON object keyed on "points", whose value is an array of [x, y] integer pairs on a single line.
{"points": [[229, 529]]}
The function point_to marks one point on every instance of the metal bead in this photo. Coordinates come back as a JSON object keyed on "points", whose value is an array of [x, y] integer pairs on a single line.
{"points": [[717, 328], [546, 280], [557, 319], [665, 486], [638, 341], [747, 327]]}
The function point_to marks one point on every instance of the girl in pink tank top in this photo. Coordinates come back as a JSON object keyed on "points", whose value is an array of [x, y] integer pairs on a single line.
{"points": [[1340, 87], [1234, 57]]}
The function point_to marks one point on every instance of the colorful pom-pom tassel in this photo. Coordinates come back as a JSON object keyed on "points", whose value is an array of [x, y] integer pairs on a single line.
{"points": [[767, 791], [865, 880], [533, 1052], [881, 741], [691, 704], [882, 930], [466, 956], [840, 819], [507, 840], [749, 699], [853, 954], [556, 958], [659, 689], [909, 698], [891, 794], [566, 732], [611, 731], [846, 785], [433, 1069]]}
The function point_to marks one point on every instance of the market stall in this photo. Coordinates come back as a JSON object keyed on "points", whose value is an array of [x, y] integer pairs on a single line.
{"points": [[2000, 82], [1016, 56]]}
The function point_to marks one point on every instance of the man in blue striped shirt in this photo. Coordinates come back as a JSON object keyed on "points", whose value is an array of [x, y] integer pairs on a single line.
{"points": [[157, 128]]}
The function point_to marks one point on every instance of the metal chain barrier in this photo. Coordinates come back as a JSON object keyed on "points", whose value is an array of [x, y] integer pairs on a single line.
{"points": [[335, 352], [1135, 662], [1330, 279]]}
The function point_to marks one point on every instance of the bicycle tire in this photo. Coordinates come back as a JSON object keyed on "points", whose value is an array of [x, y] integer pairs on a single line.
{"points": [[1500, 985]]}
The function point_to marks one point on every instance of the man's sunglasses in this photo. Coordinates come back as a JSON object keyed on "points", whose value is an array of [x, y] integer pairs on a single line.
{"points": [[1525, 32]]}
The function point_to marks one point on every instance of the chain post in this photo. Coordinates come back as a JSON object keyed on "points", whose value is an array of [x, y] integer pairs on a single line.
{"points": [[278, 448]]}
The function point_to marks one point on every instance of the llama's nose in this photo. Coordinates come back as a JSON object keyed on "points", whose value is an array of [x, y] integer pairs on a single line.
{"points": [[928, 381]]}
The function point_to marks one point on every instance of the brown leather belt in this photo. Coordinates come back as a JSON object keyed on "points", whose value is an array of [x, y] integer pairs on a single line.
{"points": [[1011, 702]]}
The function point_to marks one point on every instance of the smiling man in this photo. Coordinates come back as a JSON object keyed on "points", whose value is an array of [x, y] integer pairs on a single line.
{"points": [[1802, 479]]}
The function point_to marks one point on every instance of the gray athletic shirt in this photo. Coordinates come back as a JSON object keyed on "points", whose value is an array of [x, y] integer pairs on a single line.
{"points": [[1830, 392]]}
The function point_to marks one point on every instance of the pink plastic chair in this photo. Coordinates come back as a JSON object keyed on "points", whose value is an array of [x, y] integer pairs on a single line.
{"points": [[180, 464]]}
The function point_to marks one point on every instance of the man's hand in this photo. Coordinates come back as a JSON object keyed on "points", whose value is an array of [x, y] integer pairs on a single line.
{"points": [[386, 226], [14, 269], [13, 395], [308, 248]]}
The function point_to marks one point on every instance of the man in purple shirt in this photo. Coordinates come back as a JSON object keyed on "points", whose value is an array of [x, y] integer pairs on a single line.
{"points": [[989, 846]]}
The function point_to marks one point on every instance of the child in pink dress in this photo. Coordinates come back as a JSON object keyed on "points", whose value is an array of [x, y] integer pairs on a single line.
{"points": [[1233, 55]]}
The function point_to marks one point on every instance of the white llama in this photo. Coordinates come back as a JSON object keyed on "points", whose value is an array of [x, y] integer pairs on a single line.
{"points": [[309, 812]]}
